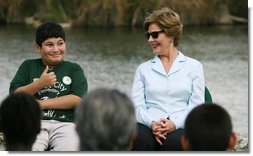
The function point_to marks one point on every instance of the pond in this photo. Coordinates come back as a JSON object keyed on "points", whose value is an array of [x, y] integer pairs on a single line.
{"points": [[110, 57]]}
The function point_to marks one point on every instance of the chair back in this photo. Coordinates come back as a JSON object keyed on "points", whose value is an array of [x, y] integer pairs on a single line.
{"points": [[208, 96]]}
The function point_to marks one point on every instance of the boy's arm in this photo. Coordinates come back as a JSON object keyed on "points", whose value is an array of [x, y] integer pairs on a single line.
{"points": [[71, 100], [45, 80], [63, 102], [31, 88]]}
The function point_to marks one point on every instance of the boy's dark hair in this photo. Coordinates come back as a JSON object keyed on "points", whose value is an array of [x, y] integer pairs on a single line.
{"points": [[20, 117], [208, 127], [49, 30]]}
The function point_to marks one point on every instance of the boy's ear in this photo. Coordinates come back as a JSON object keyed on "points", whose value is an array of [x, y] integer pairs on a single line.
{"points": [[185, 143], [37, 47], [232, 141]]}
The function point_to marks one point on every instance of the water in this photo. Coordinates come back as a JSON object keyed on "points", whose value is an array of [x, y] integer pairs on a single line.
{"points": [[110, 57]]}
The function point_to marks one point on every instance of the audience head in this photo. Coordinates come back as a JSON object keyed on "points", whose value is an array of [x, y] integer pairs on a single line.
{"points": [[105, 121], [20, 117], [208, 127]]}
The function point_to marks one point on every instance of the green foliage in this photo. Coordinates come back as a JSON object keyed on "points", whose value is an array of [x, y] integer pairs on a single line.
{"points": [[52, 10], [106, 13], [238, 8]]}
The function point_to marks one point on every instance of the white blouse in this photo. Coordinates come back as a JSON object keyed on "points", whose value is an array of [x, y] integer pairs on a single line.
{"points": [[157, 94]]}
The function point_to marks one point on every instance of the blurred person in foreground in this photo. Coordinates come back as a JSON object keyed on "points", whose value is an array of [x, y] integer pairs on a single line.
{"points": [[208, 127], [20, 116], [105, 121]]}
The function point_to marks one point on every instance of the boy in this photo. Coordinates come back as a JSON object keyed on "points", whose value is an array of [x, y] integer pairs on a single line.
{"points": [[58, 85], [208, 127]]}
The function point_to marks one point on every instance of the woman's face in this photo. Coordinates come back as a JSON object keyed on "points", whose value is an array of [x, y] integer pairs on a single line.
{"points": [[161, 45], [52, 51]]}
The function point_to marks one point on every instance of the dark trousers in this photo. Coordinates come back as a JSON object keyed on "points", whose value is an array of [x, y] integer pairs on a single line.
{"points": [[146, 141]]}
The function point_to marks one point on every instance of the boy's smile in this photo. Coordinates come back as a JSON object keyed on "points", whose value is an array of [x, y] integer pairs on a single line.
{"points": [[52, 51]]}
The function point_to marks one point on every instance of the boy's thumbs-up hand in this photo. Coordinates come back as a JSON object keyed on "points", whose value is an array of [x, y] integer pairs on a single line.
{"points": [[47, 79], [45, 70]]}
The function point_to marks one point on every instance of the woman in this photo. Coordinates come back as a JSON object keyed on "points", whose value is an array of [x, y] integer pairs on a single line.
{"points": [[167, 87]]}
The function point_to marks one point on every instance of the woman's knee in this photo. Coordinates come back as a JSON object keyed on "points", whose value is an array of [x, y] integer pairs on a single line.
{"points": [[173, 141], [145, 140]]}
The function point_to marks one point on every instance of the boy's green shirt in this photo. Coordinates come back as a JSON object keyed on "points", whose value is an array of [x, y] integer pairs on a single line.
{"points": [[70, 80]]}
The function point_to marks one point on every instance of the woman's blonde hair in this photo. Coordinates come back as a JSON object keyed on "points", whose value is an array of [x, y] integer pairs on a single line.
{"points": [[167, 20]]}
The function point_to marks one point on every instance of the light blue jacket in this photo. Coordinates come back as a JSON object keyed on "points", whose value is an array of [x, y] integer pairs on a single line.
{"points": [[157, 94]]}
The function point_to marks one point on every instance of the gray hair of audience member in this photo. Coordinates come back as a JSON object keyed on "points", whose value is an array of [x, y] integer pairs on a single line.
{"points": [[105, 121]]}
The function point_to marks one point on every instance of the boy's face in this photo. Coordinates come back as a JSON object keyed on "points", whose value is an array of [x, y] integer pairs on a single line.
{"points": [[52, 51]]}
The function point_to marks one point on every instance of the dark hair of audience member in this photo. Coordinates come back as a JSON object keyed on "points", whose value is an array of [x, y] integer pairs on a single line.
{"points": [[20, 116], [208, 127]]}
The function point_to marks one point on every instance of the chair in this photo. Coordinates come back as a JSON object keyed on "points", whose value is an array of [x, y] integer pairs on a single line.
{"points": [[208, 96]]}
